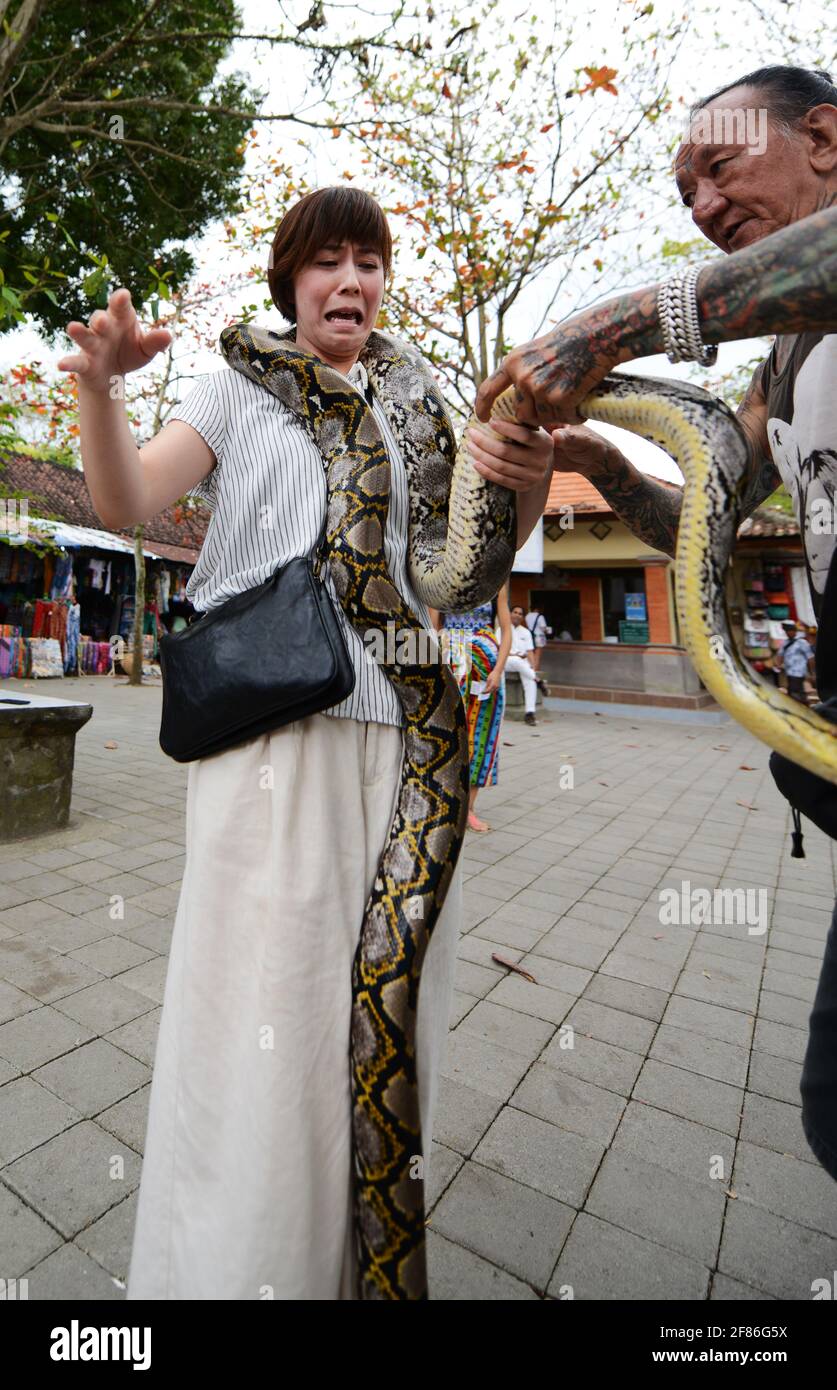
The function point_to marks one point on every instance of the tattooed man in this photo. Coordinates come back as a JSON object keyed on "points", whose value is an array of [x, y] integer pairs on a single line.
{"points": [[771, 206]]}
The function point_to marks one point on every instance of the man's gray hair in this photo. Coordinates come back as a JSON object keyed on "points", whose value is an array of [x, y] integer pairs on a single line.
{"points": [[788, 92]]}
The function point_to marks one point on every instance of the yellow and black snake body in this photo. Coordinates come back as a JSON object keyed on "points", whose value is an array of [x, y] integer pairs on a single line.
{"points": [[456, 570]]}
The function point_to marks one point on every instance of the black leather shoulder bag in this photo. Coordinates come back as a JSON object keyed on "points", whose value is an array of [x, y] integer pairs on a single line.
{"points": [[264, 658]]}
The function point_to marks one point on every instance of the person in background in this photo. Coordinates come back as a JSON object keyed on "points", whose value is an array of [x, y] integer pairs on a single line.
{"points": [[536, 623], [478, 658], [520, 660], [796, 658]]}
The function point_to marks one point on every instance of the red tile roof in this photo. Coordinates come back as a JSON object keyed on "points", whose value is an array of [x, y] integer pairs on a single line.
{"points": [[54, 490], [576, 491]]}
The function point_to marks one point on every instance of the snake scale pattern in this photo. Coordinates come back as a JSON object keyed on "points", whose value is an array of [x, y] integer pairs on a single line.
{"points": [[461, 550]]}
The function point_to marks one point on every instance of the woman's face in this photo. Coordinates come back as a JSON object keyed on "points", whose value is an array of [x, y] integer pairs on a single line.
{"points": [[337, 299]]}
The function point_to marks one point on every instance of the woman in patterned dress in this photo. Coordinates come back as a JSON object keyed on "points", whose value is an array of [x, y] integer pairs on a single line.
{"points": [[478, 657]]}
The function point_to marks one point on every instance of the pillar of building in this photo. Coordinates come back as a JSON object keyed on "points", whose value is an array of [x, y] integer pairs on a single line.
{"points": [[589, 588], [657, 601]]}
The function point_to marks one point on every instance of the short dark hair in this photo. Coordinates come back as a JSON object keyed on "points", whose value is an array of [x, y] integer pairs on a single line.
{"points": [[789, 92], [328, 216]]}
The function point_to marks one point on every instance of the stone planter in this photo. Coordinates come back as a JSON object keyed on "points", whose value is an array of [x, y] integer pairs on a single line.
{"points": [[37, 751]]}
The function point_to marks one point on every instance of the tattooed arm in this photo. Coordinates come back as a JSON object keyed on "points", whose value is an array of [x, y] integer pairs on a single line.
{"points": [[781, 284], [649, 508]]}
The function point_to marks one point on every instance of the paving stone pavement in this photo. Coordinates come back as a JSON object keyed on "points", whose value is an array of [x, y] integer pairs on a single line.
{"points": [[623, 1125]]}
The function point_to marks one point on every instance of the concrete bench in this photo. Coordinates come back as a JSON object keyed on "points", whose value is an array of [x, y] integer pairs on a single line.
{"points": [[515, 707], [37, 751]]}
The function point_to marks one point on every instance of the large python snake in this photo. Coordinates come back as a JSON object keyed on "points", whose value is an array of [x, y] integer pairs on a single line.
{"points": [[461, 549]]}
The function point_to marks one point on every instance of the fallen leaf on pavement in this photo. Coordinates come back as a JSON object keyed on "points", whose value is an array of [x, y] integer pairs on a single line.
{"points": [[110, 744], [744, 767], [730, 1193], [746, 805], [510, 965], [720, 748]]}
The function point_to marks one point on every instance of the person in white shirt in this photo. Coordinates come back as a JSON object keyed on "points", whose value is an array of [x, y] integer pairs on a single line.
{"points": [[520, 661], [537, 625]]}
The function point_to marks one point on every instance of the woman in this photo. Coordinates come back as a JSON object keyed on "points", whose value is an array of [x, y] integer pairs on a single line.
{"points": [[246, 1183], [478, 659]]}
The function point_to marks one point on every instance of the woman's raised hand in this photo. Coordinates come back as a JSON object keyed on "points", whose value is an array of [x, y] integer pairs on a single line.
{"points": [[112, 344], [518, 461]]}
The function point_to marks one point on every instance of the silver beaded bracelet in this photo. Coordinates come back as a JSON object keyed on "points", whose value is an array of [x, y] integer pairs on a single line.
{"points": [[678, 313]]}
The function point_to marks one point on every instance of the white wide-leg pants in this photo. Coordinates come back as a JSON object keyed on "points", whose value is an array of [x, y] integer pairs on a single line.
{"points": [[246, 1181], [526, 672]]}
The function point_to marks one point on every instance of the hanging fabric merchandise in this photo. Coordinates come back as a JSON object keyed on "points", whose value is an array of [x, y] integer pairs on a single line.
{"points": [[165, 585], [73, 636], [12, 651], [62, 581], [45, 657]]}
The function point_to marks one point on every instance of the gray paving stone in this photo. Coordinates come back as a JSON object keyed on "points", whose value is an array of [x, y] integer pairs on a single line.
{"points": [[473, 979], [794, 986], [40, 1035], [570, 979], [29, 1115], [612, 1026], [565, 946], [104, 1006], [479, 951], [732, 1290], [512, 1225], [444, 1165], [570, 1102], [781, 1008], [640, 970], [24, 1237], [461, 1005], [793, 963], [507, 932], [601, 1261], [661, 1206], [138, 1037], [723, 1025], [780, 1041], [128, 1118], [457, 1274], [508, 1028], [552, 1160], [108, 1241], [538, 1000], [463, 1115], [683, 1092], [774, 1124], [696, 1052], [67, 1271], [776, 1077], [773, 1254], [681, 1146], [67, 1179], [611, 1067], [787, 1186], [630, 998], [93, 1077], [46, 975], [112, 955]]}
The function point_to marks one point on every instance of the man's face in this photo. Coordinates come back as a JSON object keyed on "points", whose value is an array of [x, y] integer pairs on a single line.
{"points": [[741, 175], [517, 616]]}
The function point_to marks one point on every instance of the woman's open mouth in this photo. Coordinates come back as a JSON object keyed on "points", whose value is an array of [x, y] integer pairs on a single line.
{"points": [[353, 316]]}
